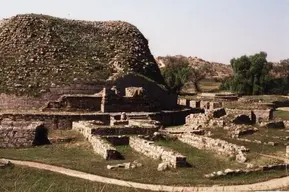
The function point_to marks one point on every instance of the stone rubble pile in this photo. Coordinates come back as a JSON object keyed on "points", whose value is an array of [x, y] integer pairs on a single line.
{"points": [[129, 165], [66, 51], [169, 157], [216, 145], [242, 130], [211, 118], [226, 172]]}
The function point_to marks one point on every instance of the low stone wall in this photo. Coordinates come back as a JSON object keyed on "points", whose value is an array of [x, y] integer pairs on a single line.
{"points": [[74, 103], [217, 145], [56, 120], [148, 148], [256, 115], [97, 129], [227, 172], [208, 119], [263, 115], [18, 134], [99, 145]]}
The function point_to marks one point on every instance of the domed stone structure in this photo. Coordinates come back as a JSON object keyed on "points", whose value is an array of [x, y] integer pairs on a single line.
{"points": [[44, 57]]}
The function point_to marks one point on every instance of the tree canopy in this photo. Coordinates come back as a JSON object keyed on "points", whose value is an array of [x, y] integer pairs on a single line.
{"points": [[251, 74], [178, 72]]}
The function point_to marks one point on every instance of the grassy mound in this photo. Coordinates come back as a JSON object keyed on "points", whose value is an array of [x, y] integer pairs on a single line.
{"points": [[38, 52]]}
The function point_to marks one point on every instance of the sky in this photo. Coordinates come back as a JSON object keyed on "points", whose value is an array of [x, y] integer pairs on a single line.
{"points": [[214, 30]]}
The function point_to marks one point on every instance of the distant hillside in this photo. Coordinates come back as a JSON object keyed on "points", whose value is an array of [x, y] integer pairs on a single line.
{"points": [[39, 51], [216, 70]]}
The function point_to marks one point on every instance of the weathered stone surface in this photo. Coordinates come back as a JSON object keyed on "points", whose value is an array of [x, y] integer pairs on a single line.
{"points": [[241, 130], [163, 166], [195, 104], [219, 174], [90, 52], [148, 148], [274, 124], [183, 102], [99, 145], [287, 151], [219, 146], [129, 165], [134, 127], [18, 133], [215, 105]]}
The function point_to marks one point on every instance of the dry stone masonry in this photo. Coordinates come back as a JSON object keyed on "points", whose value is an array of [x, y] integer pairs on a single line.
{"points": [[18, 134], [216, 145], [232, 172], [100, 146], [148, 148]]}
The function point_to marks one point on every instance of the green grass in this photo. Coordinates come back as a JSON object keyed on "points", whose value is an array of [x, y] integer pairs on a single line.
{"points": [[284, 115], [263, 134], [78, 155], [208, 85], [22, 179]]}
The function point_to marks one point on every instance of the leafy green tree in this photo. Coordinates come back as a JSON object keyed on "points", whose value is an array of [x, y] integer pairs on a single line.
{"points": [[251, 74], [178, 72], [280, 84]]}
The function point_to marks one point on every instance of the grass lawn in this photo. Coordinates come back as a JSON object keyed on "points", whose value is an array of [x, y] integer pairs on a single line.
{"points": [[78, 155], [263, 135], [23, 179], [284, 115]]}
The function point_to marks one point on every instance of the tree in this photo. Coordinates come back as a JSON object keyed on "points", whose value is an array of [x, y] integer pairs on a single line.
{"points": [[178, 72], [251, 74], [280, 84], [282, 69]]}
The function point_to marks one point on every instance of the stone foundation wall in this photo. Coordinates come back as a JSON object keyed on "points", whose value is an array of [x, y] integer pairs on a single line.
{"points": [[256, 115], [117, 130], [99, 145], [75, 103], [235, 172], [263, 115], [57, 120], [18, 134], [148, 148], [219, 146]]}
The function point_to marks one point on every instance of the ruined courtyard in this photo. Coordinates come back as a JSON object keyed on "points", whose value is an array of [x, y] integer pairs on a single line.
{"points": [[106, 113]]}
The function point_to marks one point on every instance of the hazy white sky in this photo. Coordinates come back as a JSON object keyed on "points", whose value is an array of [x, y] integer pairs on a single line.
{"points": [[215, 30]]}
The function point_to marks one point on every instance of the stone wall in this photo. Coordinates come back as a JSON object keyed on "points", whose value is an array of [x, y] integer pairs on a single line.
{"points": [[56, 120], [216, 145], [263, 115], [156, 93], [148, 148], [219, 174], [97, 129], [99, 145], [74, 103], [169, 118], [256, 115], [10, 101], [18, 134]]}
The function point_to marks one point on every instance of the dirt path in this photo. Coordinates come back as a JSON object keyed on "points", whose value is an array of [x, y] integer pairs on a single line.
{"points": [[267, 185]]}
